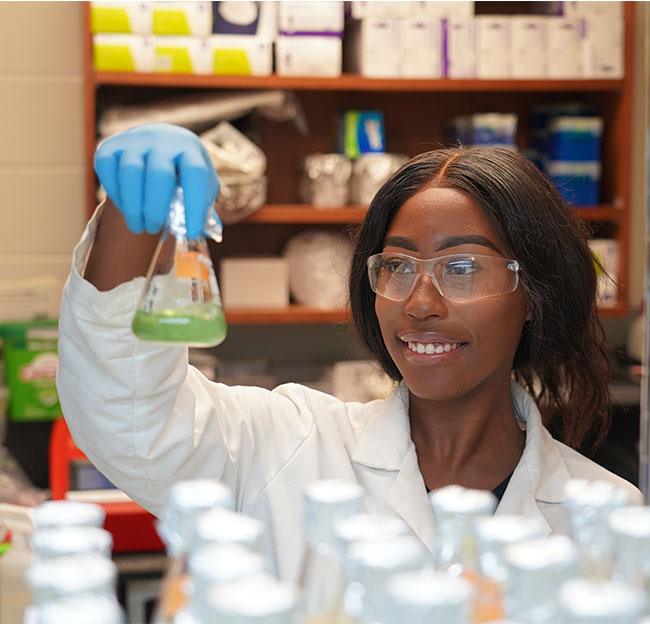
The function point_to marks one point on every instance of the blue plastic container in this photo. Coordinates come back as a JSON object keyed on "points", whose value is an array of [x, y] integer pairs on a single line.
{"points": [[575, 139]]}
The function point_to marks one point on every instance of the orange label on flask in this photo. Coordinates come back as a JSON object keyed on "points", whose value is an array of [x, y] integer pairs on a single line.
{"points": [[191, 264]]}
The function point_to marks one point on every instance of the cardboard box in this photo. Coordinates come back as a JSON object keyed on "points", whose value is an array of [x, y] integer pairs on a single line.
{"points": [[493, 47], [241, 55], [123, 53], [528, 47], [421, 48], [182, 18], [308, 56], [310, 18], [261, 282], [121, 17]]}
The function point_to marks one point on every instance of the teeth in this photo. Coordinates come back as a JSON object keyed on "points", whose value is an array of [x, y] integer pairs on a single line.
{"points": [[432, 347]]}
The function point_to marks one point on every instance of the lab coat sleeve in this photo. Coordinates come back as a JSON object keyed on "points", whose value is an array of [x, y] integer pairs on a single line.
{"points": [[146, 418]]}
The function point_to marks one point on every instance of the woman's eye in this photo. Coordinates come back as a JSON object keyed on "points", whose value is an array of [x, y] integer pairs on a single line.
{"points": [[461, 267], [397, 265]]}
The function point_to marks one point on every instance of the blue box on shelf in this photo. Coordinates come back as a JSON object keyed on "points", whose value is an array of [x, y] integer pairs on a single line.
{"points": [[574, 138], [577, 182]]}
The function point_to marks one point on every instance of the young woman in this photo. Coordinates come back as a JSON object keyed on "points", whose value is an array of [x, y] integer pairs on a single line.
{"points": [[472, 284]]}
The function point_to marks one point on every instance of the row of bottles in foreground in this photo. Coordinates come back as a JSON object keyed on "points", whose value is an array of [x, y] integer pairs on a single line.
{"points": [[360, 568]]}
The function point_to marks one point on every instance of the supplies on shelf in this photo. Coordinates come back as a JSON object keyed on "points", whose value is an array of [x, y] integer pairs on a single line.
{"points": [[493, 129], [241, 166], [318, 263], [324, 180], [361, 132], [369, 172], [30, 352], [254, 282]]}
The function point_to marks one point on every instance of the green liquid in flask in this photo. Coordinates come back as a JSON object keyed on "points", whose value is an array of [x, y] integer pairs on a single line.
{"points": [[197, 326]]}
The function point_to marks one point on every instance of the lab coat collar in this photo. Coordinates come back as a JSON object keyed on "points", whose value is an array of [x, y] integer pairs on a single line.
{"points": [[386, 444], [541, 474]]}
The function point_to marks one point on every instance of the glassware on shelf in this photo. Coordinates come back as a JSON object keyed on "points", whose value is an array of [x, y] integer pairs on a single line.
{"points": [[180, 302]]}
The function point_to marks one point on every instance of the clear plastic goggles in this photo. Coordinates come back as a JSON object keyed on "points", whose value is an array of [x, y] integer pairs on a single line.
{"points": [[457, 277]]}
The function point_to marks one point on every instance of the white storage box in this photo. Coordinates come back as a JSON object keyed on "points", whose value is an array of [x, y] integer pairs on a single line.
{"points": [[182, 18], [123, 53], [308, 56], [493, 47], [254, 282], [528, 47], [120, 17], [241, 54], [460, 9], [459, 57], [563, 40], [374, 48], [186, 55], [421, 48], [384, 9], [310, 18]]}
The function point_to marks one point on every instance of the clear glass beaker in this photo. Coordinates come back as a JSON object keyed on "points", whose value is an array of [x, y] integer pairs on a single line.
{"points": [[181, 301]]}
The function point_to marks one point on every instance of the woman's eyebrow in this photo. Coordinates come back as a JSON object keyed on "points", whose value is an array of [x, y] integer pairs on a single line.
{"points": [[400, 241], [469, 239]]}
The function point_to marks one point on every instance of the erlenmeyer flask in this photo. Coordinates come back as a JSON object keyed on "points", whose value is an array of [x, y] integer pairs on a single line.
{"points": [[181, 301]]}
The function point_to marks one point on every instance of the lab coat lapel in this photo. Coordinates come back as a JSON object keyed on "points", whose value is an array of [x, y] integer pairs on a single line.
{"points": [[386, 444], [541, 474]]}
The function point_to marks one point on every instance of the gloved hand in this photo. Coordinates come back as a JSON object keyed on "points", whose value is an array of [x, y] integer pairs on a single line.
{"points": [[141, 167]]}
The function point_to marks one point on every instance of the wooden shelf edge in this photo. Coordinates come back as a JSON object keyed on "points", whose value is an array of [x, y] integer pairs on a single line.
{"points": [[293, 315], [303, 315], [301, 213], [350, 82]]}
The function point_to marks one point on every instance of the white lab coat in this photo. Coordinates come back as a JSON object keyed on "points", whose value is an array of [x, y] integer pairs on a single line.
{"points": [[146, 419]]}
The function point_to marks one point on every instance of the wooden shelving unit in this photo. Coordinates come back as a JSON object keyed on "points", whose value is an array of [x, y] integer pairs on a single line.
{"points": [[414, 113]]}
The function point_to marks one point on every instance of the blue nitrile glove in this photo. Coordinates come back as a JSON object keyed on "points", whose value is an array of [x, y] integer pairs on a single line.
{"points": [[140, 168]]}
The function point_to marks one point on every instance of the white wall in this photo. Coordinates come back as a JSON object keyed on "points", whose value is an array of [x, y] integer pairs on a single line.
{"points": [[41, 140]]}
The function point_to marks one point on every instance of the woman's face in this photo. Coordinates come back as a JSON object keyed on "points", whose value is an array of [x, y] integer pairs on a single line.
{"points": [[479, 338]]}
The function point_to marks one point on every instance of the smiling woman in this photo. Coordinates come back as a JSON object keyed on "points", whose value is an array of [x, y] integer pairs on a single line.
{"points": [[493, 202], [471, 283]]}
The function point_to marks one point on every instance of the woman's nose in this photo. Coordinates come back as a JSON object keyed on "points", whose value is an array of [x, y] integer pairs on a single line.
{"points": [[425, 299]]}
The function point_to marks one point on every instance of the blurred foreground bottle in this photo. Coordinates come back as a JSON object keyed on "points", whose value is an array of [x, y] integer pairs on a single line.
{"points": [[60, 513], [588, 505], [321, 579], [456, 511], [630, 527], [181, 302], [536, 571], [185, 501]]}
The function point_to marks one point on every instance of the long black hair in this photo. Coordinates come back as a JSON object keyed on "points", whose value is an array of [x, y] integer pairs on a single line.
{"points": [[562, 357]]}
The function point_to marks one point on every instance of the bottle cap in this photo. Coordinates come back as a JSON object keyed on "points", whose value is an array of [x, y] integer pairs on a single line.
{"points": [[219, 563], [326, 503], [185, 501], [48, 543], [427, 596], [495, 532], [97, 609], [261, 598], [68, 513], [583, 601], [222, 526], [51, 579]]}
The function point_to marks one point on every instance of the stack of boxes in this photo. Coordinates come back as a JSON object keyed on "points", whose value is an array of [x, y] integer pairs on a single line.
{"points": [[184, 37], [382, 39], [310, 39]]}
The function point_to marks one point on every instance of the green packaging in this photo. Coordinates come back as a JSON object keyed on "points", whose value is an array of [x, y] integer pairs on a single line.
{"points": [[30, 352]]}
